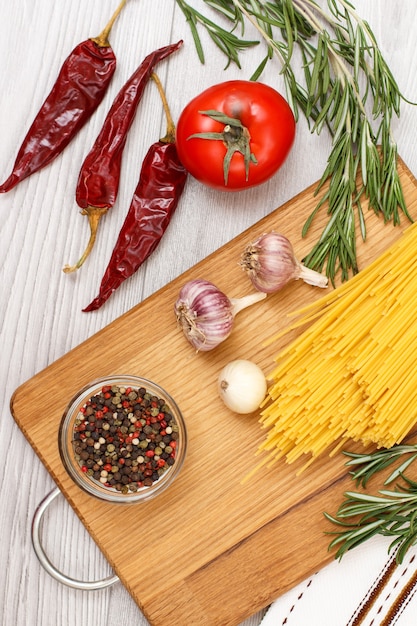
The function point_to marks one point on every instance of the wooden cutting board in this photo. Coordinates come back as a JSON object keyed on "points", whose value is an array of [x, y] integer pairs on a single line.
{"points": [[210, 550]]}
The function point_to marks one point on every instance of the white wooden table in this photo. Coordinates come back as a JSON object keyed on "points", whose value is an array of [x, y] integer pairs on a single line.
{"points": [[42, 230]]}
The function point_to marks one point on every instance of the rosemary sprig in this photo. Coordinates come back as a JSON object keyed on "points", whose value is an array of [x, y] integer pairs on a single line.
{"points": [[391, 513], [228, 43], [347, 87]]}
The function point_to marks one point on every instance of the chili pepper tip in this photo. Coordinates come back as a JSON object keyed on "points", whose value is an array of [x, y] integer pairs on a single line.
{"points": [[94, 305], [9, 183]]}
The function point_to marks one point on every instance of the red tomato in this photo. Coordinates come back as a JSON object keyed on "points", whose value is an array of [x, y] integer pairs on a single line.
{"points": [[256, 107]]}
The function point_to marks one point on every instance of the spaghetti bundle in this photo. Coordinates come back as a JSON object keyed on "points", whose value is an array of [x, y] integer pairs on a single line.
{"points": [[351, 374]]}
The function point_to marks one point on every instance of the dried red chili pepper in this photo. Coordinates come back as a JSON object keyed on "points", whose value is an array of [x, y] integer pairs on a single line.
{"points": [[98, 181], [80, 87], [161, 182]]}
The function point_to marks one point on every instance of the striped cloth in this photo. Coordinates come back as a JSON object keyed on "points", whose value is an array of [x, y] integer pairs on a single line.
{"points": [[365, 588]]}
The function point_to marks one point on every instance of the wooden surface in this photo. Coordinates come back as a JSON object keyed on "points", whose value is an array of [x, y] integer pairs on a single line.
{"points": [[41, 230], [208, 524]]}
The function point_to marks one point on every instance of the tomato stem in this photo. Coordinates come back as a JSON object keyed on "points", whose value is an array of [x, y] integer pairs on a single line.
{"points": [[235, 137]]}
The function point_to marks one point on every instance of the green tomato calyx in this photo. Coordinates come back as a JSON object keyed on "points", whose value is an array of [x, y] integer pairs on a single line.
{"points": [[235, 137]]}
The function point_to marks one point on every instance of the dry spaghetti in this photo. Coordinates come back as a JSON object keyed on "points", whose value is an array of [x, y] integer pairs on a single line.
{"points": [[351, 374]]}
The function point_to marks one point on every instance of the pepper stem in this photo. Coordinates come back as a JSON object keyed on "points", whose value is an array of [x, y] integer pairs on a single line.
{"points": [[170, 134], [239, 304], [94, 215], [103, 38]]}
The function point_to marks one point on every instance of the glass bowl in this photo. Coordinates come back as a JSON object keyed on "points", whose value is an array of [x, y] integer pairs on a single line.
{"points": [[123, 439]]}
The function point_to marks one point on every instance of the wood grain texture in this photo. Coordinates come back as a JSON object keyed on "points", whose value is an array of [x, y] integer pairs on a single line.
{"points": [[208, 525], [41, 230]]}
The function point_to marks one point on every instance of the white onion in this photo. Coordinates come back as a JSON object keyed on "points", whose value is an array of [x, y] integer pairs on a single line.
{"points": [[242, 386]]}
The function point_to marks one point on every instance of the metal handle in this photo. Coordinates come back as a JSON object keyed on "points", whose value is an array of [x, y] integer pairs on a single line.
{"points": [[46, 563]]}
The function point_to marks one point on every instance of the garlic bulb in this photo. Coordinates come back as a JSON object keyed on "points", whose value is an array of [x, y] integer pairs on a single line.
{"points": [[270, 263], [206, 314], [242, 386]]}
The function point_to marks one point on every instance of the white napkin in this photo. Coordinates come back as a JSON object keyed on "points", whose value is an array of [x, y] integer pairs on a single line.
{"points": [[365, 588]]}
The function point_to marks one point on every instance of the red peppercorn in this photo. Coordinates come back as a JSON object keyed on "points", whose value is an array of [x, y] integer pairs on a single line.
{"points": [[160, 463], [149, 453], [84, 469], [99, 414]]}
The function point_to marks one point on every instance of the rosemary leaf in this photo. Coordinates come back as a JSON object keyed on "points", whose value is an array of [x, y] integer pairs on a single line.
{"points": [[400, 470], [192, 23], [257, 73], [227, 10]]}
